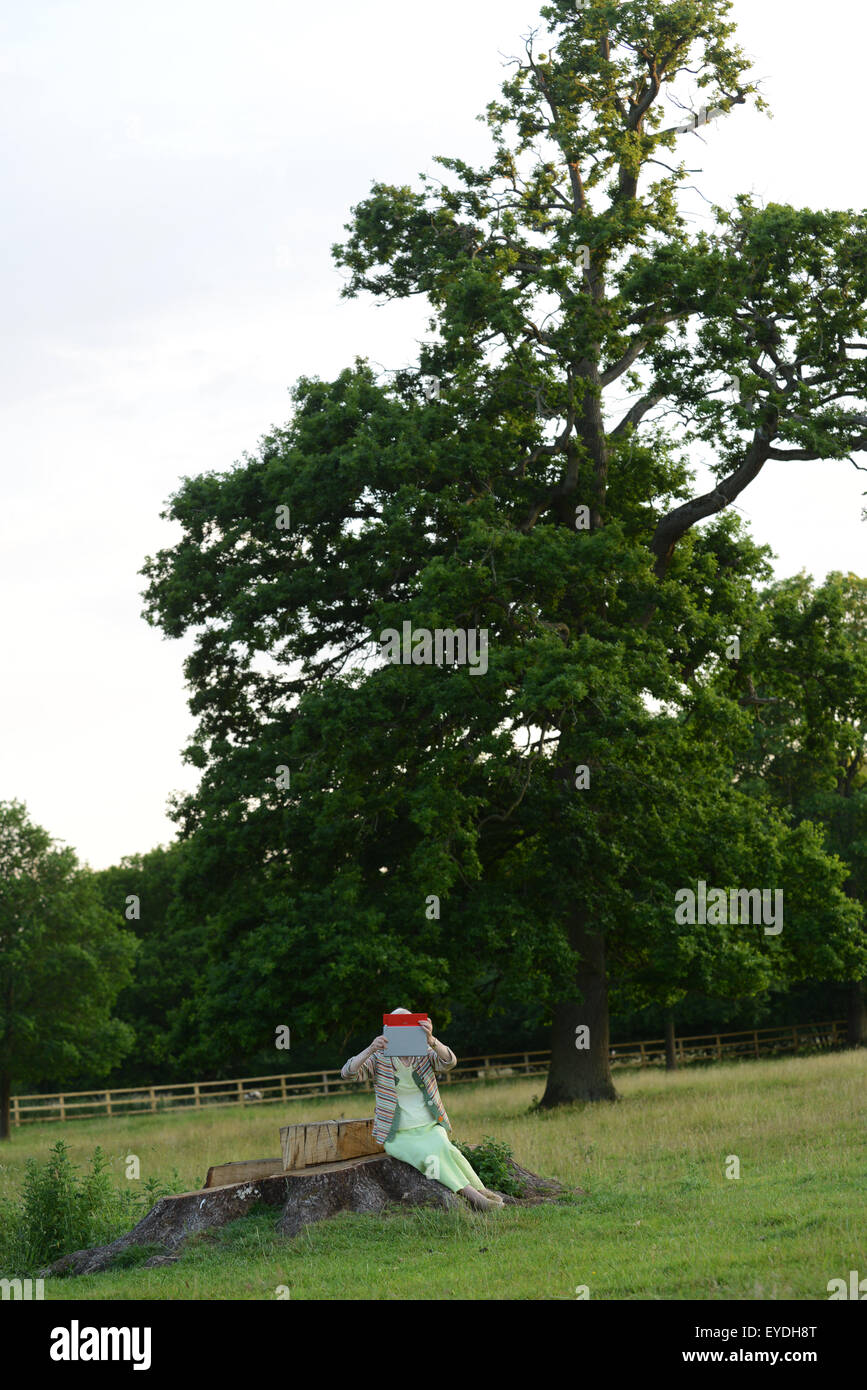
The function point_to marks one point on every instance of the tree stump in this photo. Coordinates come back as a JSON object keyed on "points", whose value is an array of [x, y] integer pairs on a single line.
{"points": [[362, 1185], [369, 1184]]}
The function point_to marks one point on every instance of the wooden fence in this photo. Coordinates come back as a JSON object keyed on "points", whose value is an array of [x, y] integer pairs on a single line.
{"points": [[305, 1085]]}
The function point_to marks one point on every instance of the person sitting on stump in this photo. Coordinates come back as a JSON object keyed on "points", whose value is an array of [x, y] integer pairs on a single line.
{"points": [[410, 1119]]}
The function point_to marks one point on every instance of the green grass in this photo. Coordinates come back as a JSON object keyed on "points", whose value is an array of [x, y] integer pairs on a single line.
{"points": [[659, 1220]]}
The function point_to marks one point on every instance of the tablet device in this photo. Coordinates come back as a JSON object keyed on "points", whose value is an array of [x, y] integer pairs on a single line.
{"points": [[405, 1038]]}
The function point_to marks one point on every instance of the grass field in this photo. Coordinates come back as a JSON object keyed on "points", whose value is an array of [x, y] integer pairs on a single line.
{"points": [[659, 1218]]}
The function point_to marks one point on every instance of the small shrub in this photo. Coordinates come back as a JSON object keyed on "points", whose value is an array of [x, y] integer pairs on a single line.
{"points": [[140, 1200], [490, 1160], [60, 1212], [8, 1236], [53, 1218]]}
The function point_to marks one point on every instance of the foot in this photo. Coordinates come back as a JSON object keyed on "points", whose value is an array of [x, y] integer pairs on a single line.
{"points": [[478, 1200], [494, 1196]]}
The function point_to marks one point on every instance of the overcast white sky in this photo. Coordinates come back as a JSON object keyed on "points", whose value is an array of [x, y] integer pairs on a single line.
{"points": [[174, 173]]}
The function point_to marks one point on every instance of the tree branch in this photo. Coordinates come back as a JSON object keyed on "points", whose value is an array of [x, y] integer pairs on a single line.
{"points": [[809, 455], [637, 413], [676, 524], [635, 349]]}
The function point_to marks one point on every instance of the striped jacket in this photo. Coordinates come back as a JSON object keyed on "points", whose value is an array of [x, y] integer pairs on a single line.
{"points": [[381, 1069]]}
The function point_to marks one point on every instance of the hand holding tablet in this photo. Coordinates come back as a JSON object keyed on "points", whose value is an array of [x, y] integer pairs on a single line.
{"points": [[404, 1035]]}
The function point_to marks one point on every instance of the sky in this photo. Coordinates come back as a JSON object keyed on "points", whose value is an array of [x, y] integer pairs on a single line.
{"points": [[174, 175]]}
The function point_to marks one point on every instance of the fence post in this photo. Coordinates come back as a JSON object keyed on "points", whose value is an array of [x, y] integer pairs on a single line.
{"points": [[196, 1094], [108, 1102], [282, 1087], [834, 1032], [756, 1042], [16, 1114], [643, 1055], [527, 1062], [62, 1107], [718, 1047], [153, 1096], [241, 1092], [795, 1038], [325, 1082]]}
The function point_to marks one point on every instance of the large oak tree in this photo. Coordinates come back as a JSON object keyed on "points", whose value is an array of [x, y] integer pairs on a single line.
{"points": [[531, 476]]}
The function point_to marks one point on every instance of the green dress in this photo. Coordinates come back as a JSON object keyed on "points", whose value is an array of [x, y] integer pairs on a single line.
{"points": [[424, 1144]]}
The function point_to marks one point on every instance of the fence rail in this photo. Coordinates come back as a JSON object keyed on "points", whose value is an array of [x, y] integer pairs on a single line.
{"points": [[494, 1066]]}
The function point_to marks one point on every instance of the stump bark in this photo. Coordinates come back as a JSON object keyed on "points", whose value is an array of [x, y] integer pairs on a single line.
{"points": [[362, 1185], [369, 1184]]}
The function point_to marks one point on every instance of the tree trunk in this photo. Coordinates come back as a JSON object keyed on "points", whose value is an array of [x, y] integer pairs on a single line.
{"points": [[5, 1094], [856, 1030], [670, 1048], [582, 1073]]}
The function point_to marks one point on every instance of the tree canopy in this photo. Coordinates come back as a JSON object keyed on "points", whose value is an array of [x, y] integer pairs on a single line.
{"points": [[63, 961], [369, 831]]}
